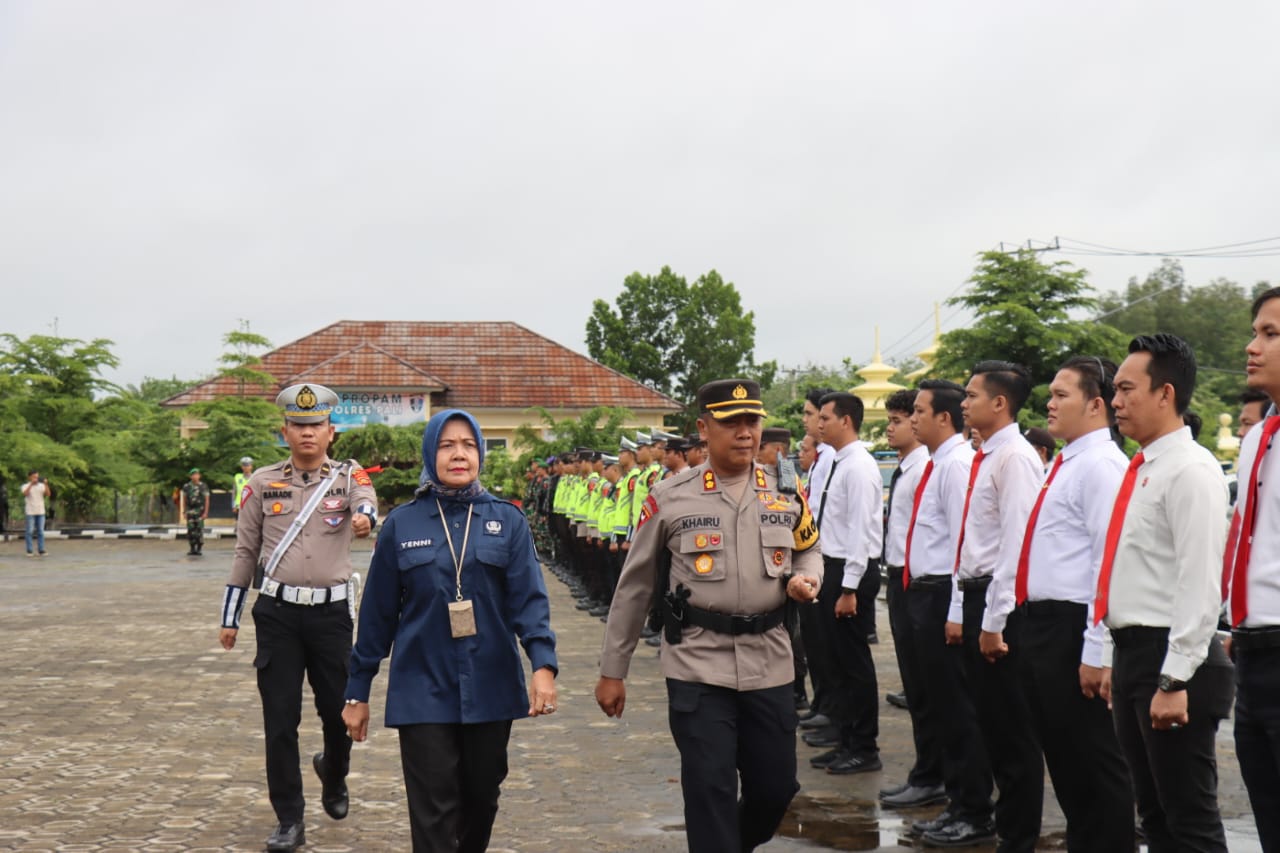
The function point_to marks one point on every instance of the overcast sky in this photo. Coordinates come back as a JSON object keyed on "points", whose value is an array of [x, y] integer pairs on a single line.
{"points": [[169, 168]]}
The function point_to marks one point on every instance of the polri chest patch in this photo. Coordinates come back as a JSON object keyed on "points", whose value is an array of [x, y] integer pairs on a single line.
{"points": [[493, 527]]}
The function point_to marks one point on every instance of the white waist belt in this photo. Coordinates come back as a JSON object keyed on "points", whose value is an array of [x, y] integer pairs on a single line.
{"points": [[304, 594]]}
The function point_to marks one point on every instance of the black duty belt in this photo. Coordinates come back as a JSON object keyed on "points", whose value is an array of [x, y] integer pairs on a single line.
{"points": [[1252, 639], [1054, 609], [736, 623], [974, 584], [930, 581]]}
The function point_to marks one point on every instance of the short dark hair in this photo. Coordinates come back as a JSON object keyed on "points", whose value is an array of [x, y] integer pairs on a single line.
{"points": [[1005, 379], [815, 395], [903, 401], [1172, 363], [1253, 395], [843, 403], [1262, 298], [947, 397]]}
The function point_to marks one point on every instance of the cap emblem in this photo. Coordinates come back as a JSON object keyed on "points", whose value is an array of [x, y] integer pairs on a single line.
{"points": [[739, 393], [306, 398]]}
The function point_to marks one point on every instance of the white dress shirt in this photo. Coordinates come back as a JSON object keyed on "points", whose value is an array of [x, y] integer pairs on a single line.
{"points": [[904, 492], [1008, 483], [937, 529], [1071, 529], [1263, 587], [852, 517], [1168, 565], [821, 467]]}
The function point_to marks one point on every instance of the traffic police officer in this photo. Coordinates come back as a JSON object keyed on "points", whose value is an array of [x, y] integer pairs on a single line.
{"points": [[732, 549], [303, 613], [240, 481]]}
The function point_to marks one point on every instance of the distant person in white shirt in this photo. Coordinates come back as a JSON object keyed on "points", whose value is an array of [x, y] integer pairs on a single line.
{"points": [[850, 522], [933, 533], [1003, 485], [812, 638], [1252, 583], [923, 785], [35, 492], [1253, 407], [1170, 682], [1060, 668]]}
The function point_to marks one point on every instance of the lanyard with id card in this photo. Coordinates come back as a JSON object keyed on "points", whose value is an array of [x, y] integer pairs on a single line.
{"points": [[462, 616]]}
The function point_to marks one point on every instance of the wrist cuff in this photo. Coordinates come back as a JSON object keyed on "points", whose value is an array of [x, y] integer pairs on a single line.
{"points": [[232, 604]]}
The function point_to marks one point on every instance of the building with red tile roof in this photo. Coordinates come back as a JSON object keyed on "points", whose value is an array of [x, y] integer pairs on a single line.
{"points": [[399, 372]]}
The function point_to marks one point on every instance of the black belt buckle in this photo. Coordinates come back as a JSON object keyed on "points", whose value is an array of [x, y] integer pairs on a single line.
{"points": [[750, 624]]}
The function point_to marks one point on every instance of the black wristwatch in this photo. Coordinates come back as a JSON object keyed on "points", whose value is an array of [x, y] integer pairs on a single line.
{"points": [[1169, 684], [844, 590]]}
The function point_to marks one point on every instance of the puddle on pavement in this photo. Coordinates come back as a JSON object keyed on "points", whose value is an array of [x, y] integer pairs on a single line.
{"points": [[843, 824]]}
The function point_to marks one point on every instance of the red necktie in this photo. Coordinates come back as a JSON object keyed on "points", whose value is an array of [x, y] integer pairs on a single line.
{"points": [[911, 527], [1113, 537], [1024, 556], [964, 517], [1240, 575]]}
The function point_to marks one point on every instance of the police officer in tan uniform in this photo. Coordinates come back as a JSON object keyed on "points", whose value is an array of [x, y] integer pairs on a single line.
{"points": [[303, 612], [736, 549]]}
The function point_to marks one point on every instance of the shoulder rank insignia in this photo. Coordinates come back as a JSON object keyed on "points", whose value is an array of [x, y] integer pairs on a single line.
{"points": [[761, 483], [708, 481]]}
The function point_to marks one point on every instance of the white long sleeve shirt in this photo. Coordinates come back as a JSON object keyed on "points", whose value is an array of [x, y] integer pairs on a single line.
{"points": [[1168, 564], [851, 523], [1263, 580], [937, 527], [1004, 492], [895, 540], [1071, 530]]}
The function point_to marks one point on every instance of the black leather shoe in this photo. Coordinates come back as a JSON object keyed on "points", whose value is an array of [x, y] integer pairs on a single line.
{"points": [[646, 632], [914, 796], [599, 610], [920, 827], [894, 789], [897, 700], [655, 641], [854, 764], [823, 737], [960, 833], [288, 836], [583, 605], [815, 721], [828, 758], [873, 639], [334, 800]]}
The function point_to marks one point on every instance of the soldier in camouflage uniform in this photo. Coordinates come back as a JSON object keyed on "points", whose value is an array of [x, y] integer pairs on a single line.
{"points": [[534, 497], [195, 494]]}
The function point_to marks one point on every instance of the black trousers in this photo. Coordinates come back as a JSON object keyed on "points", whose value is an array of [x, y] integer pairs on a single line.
{"points": [[817, 656], [852, 698], [1174, 772], [293, 639], [1089, 775], [725, 735], [943, 704], [1017, 764], [1258, 736], [452, 777], [926, 772]]}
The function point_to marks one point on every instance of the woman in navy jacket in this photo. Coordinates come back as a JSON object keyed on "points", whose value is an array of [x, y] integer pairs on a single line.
{"points": [[454, 580]]}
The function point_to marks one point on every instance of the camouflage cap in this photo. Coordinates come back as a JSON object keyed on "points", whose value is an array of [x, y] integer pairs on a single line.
{"points": [[306, 403]]}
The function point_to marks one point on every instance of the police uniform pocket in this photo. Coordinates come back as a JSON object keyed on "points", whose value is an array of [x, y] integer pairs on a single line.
{"points": [[702, 555], [262, 658], [683, 697], [277, 506], [776, 544], [494, 555]]}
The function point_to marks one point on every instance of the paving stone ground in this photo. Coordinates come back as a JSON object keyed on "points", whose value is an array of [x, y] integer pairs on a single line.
{"points": [[124, 726]]}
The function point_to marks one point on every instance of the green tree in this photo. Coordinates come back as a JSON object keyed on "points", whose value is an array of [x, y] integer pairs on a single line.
{"points": [[1023, 312], [1213, 318], [397, 451], [243, 364], [153, 390], [674, 336], [52, 421], [599, 428], [237, 426]]}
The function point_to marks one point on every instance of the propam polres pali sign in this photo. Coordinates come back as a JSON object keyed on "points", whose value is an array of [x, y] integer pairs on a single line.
{"points": [[357, 408]]}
